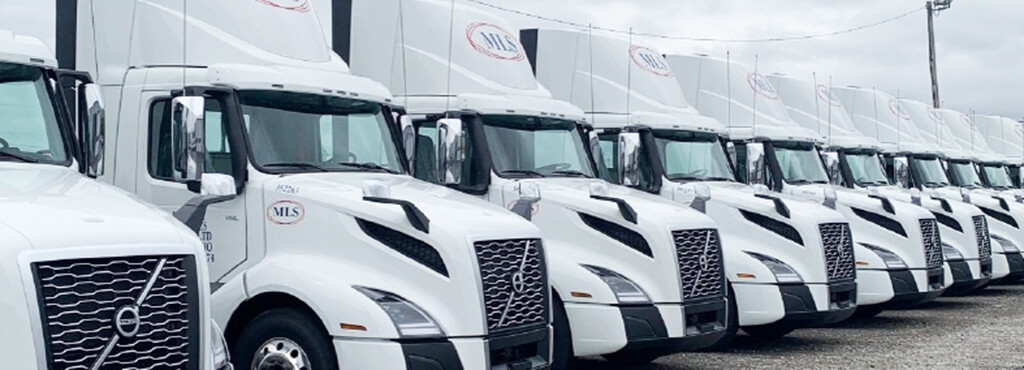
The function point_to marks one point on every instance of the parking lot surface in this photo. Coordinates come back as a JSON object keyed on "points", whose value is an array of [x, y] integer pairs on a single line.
{"points": [[982, 331]]}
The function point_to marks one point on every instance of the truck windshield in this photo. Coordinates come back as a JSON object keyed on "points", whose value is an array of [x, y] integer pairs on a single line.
{"points": [[692, 156], [929, 169], [998, 176], [865, 168], [29, 129], [800, 163], [522, 146], [295, 132], [965, 174]]}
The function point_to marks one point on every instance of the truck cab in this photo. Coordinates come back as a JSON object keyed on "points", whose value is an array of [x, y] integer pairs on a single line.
{"points": [[648, 138], [908, 159], [80, 256], [324, 252], [482, 125], [906, 266], [1006, 137]]}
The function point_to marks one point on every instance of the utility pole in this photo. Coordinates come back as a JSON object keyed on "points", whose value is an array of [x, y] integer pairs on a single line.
{"points": [[932, 8]]}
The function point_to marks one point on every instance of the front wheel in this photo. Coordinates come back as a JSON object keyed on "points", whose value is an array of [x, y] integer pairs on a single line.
{"points": [[284, 338], [562, 352]]}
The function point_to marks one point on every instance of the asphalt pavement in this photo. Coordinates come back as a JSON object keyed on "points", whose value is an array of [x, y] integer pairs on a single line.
{"points": [[981, 331]]}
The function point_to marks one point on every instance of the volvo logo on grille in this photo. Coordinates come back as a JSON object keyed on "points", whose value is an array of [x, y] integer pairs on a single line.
{"points": [[705, 262], [126, 321], [519, 282]]}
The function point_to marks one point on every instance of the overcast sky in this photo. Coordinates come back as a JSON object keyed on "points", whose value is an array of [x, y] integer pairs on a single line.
{"points": [[980, 43]]}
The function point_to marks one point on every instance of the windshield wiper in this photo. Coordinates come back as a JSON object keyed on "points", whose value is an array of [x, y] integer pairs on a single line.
{"points": [[571, 173], [368, 166], [520, 173], [20, 157], [934, 184], [308, 166], [799, 181]]}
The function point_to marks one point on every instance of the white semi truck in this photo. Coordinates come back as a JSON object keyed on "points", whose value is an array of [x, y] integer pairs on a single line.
{"points": [[777, 269], [634, 277], [324, 253], [908, 165], [92, 278], [953, 132], [1005, 136], [903, 236]]}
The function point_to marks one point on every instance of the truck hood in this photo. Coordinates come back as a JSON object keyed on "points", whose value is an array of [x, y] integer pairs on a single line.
{"points": [[862, 200]]}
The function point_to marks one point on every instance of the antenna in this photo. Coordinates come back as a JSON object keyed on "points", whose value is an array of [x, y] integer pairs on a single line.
{"points": [[451, 35], [899, 115], [184, 43], [728, 86], [753, 106], [629, 75], [817, 109], [590, 48], [874, 101], [972, 129], [401, 34], [829, 110]]}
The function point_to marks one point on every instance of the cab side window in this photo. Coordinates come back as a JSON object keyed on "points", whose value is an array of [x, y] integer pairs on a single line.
{"points": [[161, 161], [608, 168]]}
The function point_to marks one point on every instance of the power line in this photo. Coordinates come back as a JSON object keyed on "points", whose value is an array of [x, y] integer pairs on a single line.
{"points": [[698, 39]]}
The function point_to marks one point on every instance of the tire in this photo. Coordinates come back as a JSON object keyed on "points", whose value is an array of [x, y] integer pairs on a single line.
{"points": [[769, 332], [296, 326], [732, 324], [562, 357]]}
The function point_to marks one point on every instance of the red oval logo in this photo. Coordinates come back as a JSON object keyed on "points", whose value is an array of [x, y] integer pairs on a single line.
{"points": [[494, 41], [286, 212], [762, 86], [649, 60], [825, 94], [300, 6]]}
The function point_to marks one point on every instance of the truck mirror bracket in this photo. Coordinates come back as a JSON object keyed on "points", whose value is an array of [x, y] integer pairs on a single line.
{"points": [[413, 213], [193, 212]]}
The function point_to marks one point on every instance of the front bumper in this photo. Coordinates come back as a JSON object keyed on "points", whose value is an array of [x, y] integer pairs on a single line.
{"points": [[667, 328], [1014, 266], [968, 275], [801, 305], [521, 351]]}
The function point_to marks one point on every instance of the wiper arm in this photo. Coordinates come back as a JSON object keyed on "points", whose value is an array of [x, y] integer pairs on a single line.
{"points": [[719, 179], [308, 166], [20, 157], [520, 173], [799, 181], [571, 173], [368, 166]]}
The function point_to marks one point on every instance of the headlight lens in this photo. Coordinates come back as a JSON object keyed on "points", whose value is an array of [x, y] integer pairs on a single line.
{"points": [[891, 259], [626, 291], [221, 355], [951, 253], [1008, 246], [410, 319], [783, 272]]}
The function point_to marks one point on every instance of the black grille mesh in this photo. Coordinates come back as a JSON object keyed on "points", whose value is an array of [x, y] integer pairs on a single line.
{"points": [[948, 222], [882, 221], [80, 298], [981, 233], [503, 264], [932, 242], [408, 246], [623, 235], [838, 244], [775, 226], [1001, 217], [700, 263]]}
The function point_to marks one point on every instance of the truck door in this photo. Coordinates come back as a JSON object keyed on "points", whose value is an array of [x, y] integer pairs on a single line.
{"points": [[223, 232]]}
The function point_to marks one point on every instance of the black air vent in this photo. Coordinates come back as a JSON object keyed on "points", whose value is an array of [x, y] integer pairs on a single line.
{"points": [[774, 226], [877, 219], [625, 236], [1002, 217], [948, 221], [408, 246]]}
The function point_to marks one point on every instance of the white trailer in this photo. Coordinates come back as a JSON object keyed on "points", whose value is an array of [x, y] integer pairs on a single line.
{"points": [[625, 266], [92, 278], [907, 159], [324, 253], [774, 261], [902, 236]]}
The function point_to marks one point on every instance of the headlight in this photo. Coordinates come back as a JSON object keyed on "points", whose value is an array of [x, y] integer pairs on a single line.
{"points": [[891, 259], [221, 355], [783, 272], [951, 253], [409, 318], [626, 291], [1008, 246]]}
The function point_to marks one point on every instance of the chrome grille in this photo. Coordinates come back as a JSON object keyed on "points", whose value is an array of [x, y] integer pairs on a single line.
{"points": [[700, 263], [981, 232], [838, 245], [932, 242], [515, 285], [154, 300]]}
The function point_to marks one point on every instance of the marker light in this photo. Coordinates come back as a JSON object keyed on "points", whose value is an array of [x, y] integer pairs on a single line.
{"points": [[783, 272], [410, 319], [581, 295], [626, 291]]}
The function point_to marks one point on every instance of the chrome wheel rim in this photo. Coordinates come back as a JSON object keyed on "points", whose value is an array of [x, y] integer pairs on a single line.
{"points": [[280, 354]]}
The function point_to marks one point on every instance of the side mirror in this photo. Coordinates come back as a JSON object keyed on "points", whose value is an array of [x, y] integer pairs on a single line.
{"points": [[629, 158], [408, 138], [217, 185], [594, 143], [529, 194], [901, 171], [755, 164], [92, 122], [831, 160], [188, 148], [451, 151]]}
